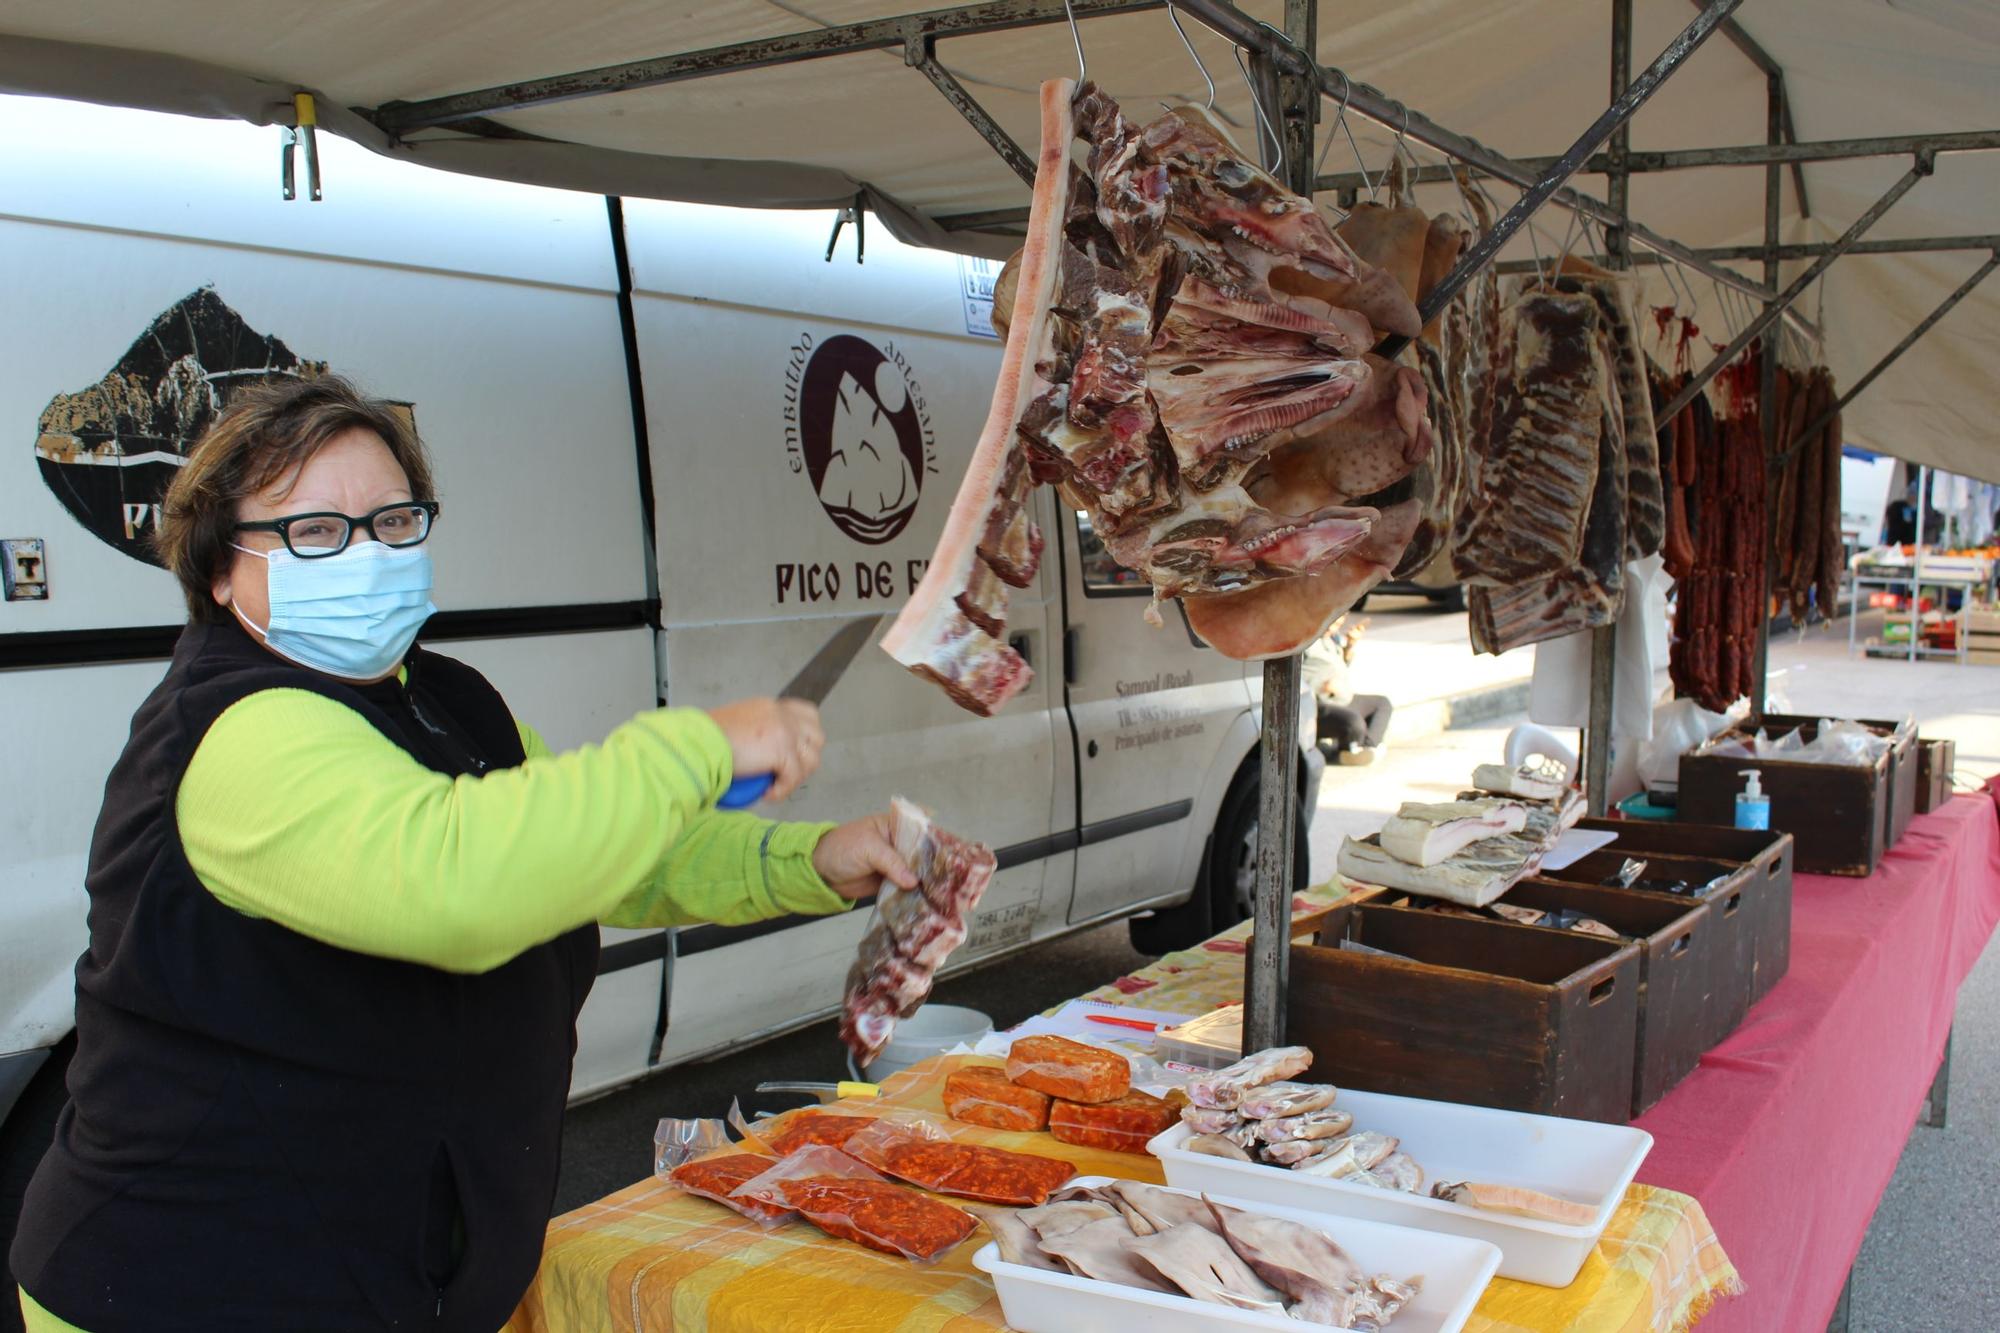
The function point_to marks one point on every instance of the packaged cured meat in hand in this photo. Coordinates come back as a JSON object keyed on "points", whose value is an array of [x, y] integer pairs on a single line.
{"points": [[1224, 1089], [1069, 1070], [913, 931], [922, 1154], [718, 1177], [806, 1129], [983, 1095], [844, 1198], [1124, 1124]]}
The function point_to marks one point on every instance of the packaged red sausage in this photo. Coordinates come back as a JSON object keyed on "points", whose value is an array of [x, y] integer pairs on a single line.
{"points": [[1124, 1125], [1069, 1070], [843, 1198], [982, 1095], [714, 1178], [922, 1154], [804, 1129]]}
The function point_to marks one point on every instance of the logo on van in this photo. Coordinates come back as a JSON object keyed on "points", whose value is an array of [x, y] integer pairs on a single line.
{"points": [[110, 451], [856, 423]]}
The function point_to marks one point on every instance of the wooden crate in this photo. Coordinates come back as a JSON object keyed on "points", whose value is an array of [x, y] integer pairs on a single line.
{"points": [[1676, 941], [1470, 1011], [1901, 806], [1837, 813], [1768, 896], [1737, 909], [1935, 760]]}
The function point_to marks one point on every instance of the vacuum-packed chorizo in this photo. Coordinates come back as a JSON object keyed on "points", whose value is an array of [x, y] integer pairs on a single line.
{"points": [[983, 1095], [714, 1177], [1069, 1070], [1124, 1125]]}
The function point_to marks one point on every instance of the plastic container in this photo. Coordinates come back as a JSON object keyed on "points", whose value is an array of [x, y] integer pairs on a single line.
{"points": [[1753, 807], [933, 1029], [1582, 1160], [1455, 1272]]}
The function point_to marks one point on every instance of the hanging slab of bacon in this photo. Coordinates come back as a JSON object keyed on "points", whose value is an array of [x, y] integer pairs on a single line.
{"points": [[1187, 359]]}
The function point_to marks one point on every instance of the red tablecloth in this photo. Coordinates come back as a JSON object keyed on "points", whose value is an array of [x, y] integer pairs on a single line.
{"points": [[1790, 1130]]}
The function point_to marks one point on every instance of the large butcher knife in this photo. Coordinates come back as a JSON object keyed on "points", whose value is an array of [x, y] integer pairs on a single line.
{"points": [[814, 682]]}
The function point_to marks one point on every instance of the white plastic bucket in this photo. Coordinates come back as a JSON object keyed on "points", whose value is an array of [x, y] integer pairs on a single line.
{"points": [[933, 1028]]}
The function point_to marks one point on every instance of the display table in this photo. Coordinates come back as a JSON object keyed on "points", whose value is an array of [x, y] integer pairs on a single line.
{"points": [[1787, 1134], [1790, 1130]]}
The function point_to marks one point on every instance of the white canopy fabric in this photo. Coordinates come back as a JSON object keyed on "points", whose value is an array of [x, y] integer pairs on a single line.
{"points": [[1524, 77]]}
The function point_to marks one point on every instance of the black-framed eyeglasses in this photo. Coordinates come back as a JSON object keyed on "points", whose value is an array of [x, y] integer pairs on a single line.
{"points": [[313, 536]]}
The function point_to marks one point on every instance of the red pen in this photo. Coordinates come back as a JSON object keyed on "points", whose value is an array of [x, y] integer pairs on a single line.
{"points": [[1138, 1023]]}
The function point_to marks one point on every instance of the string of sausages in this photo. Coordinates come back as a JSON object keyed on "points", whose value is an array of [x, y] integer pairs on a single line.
{"points": [[1714, 472]]}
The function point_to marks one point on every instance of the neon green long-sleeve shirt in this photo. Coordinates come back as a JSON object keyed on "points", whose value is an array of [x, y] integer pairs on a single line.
{"points": [[296, 809]]}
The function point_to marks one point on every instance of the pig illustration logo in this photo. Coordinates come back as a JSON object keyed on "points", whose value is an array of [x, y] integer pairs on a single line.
{"points": [[862, 430]]}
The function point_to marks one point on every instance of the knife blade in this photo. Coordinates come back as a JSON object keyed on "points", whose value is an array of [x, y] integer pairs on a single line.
{"points": [[813, 683]]}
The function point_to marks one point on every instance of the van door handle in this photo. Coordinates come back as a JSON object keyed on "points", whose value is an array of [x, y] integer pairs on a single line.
{"points": [[1070, 643], [1022, 644]]}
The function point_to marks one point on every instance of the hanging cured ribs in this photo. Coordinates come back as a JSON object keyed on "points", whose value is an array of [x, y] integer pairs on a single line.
{"points": [[1186, 358]]}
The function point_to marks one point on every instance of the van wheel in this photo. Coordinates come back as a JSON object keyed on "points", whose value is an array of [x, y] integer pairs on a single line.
{"points": [[24, 1137], [1450, 599], [1228, 887]]}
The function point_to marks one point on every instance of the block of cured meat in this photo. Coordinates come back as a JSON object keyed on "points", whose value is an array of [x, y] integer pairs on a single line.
{"points": [[1123, 1124], [1226, 1088], [914, 929], [1582, 596], [1069, 1070], [984, 1095], [1534, 487], [1174, 318], [1425, 833], [1473, 878], [1645, 502], [1527, 782]]}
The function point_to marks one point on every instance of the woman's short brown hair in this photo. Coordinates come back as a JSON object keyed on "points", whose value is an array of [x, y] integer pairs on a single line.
{"points": [[269, 430]]}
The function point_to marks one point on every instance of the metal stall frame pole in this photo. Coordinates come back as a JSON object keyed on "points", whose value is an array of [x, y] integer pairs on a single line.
{"points": [[1267, 966], [1776, 116], [1923, 167], [1618, 250]]}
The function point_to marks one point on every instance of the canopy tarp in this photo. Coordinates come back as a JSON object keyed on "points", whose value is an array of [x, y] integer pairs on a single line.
{"points": [[1523, 77]]}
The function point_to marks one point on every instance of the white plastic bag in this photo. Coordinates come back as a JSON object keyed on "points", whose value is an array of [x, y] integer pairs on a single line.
{"points": [[1678, 727]]}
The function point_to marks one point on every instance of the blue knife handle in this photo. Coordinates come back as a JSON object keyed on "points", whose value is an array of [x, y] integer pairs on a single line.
{"points": [[746, 791]]}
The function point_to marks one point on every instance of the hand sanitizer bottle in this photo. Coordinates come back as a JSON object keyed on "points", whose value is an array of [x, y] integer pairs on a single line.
{"points": [[1753, 807]]}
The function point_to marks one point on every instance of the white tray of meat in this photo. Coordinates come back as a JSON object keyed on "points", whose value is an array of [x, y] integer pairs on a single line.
{"points": [[1448, 1273], [1515, 1159]]}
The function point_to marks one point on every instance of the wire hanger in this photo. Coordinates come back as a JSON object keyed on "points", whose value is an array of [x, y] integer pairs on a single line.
{"points": [[1076, 36], [1257, 105], [1173, 16], [1340, 123]]}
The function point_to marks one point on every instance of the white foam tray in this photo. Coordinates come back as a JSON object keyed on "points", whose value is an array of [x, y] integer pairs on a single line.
{"points": [[1581, 1160], [1455, 1272]]}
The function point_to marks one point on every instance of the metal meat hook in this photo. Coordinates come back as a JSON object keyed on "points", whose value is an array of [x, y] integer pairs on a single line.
{"points": [[1340, 123], [856, 213], [1076, 36], [1174, 17]]}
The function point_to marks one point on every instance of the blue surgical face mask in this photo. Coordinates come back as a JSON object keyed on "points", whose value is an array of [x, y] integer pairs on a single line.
{"points": [[352, 615]]}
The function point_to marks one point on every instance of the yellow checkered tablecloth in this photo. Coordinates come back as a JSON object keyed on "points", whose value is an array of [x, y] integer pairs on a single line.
{"points": [[649, 1258]]}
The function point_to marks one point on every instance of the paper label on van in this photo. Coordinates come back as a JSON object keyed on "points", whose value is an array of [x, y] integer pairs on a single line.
{"points": [[975, 280]]}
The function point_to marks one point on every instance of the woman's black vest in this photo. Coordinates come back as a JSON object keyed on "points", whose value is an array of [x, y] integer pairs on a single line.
{"points": [[265, 1132]]}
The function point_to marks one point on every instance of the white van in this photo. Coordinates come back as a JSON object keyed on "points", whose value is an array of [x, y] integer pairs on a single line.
{"points": [[644, 421]]}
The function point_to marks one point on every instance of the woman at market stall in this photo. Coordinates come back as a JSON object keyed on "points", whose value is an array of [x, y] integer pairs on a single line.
{"points": [[343, 914]]}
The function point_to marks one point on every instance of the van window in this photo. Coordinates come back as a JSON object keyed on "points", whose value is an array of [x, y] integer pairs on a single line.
{"points": [[1103, 576]]}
